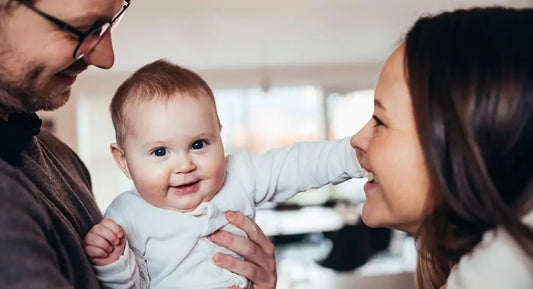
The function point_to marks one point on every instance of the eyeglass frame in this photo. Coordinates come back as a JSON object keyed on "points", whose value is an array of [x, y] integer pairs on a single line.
{"points": [[76, 32]]}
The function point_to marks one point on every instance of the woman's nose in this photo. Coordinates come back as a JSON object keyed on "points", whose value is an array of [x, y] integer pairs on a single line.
{"points": [[360, 140]]}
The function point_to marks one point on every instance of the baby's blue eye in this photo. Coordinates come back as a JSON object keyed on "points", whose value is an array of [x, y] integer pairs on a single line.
{"points": [[197, 145], [160, 152]]}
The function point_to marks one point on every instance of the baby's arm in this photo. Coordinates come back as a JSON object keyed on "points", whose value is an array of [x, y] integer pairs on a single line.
{"points": [[116, 265], [281, 173], [105, 243]]}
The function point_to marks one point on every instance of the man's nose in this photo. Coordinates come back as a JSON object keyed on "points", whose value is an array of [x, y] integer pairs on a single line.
{"points": [[102, 55]]}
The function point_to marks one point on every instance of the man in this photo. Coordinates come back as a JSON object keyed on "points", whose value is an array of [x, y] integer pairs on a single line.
{"points": [[45, 191]]}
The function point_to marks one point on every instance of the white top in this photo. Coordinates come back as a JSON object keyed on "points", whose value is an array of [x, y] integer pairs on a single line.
{"points": [[173, 248], [496, 262]]}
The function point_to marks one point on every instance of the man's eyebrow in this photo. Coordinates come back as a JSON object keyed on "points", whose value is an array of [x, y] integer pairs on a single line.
{"points": [[377, 103], [83, 20]]}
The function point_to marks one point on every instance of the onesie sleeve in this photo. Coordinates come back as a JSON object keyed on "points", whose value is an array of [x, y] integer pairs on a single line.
{"points": [[281, 173], [129, 271], [125, 273]]}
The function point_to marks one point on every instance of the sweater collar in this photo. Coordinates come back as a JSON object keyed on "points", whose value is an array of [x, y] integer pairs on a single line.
{"points": [[16, 134]]}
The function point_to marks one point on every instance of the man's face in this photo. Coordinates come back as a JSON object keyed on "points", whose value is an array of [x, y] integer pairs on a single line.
{"points": [[36, 64]]}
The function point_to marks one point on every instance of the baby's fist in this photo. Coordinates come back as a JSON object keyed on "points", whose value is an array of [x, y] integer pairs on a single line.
{"points": [[105, 242]]}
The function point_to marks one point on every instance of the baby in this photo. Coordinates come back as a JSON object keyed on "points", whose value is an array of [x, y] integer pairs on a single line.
{"points": [[169, 143]]}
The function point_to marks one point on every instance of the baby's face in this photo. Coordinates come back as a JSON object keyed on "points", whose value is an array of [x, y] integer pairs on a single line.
{"points": [[174, 151]]}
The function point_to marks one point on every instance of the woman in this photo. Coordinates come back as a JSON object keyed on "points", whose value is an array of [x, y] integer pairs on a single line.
{"points": [[449, 149]]}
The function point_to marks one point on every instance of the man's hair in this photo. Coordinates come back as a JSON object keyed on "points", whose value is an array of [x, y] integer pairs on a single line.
{"points": [[159, 80]]}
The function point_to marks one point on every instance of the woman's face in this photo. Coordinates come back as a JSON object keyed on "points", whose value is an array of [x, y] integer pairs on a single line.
{"points": [[389, 149]]}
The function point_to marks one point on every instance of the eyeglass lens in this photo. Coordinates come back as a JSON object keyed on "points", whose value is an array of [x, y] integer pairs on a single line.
{"points": [[94, 36], [91, 41]]}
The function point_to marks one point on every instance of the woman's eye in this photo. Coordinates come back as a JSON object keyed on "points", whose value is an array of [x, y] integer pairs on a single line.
{"points": [[197, 145], [377, 120], [160, 152]]}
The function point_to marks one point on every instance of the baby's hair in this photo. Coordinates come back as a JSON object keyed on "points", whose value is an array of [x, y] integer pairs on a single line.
{"points": [[159, 80]]}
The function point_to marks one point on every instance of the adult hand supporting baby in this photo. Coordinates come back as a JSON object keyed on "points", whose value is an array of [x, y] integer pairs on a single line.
{"points": [[259, 264]]}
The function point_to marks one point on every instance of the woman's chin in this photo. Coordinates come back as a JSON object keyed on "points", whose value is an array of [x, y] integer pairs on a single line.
{"points": [[376, 215], [371, 218]]}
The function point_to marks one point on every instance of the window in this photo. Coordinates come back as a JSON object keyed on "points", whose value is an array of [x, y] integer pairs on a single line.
{"points": [[254, 120]]}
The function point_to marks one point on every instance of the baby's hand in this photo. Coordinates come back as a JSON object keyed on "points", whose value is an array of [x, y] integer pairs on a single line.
{"points": [[105, 242]]}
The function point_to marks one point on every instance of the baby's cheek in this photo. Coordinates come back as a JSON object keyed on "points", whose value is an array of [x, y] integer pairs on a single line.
{"points": [[218, 172], [151, 188]]}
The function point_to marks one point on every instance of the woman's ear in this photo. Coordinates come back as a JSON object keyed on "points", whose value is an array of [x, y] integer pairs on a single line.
{"points": [[120, 159]]}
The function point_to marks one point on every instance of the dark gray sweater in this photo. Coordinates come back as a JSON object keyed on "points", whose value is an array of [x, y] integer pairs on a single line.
{"points": [[46, 209]]}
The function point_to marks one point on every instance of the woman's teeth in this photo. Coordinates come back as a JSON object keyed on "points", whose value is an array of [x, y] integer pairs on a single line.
{"points": [[370, 177]]}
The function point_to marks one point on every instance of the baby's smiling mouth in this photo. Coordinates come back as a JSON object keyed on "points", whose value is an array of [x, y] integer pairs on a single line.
{"points": [[186, 185], [186, 188]]}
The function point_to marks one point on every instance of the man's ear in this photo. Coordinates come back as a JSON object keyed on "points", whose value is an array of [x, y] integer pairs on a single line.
{"points": [[120, 159]]}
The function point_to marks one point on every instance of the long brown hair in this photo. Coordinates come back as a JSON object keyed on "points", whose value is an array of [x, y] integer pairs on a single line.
{"points": [[470, 75]]}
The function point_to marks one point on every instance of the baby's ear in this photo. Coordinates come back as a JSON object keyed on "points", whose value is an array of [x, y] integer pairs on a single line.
{"points": [[120, 159]]}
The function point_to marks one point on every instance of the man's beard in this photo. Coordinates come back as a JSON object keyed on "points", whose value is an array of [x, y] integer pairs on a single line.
{"points": [[26, 95]]}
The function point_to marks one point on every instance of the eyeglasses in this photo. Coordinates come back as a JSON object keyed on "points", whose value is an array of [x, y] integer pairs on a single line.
{"points": [[87, 41]]}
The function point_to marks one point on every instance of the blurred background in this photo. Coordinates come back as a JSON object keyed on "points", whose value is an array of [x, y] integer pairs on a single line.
{"points": [[281, 71]]}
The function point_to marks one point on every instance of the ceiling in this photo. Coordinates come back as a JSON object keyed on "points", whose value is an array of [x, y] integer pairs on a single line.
{"points": [[244, 34]]}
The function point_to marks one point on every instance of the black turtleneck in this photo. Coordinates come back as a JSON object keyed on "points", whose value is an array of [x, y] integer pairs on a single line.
{"points": [[16, 134]]}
